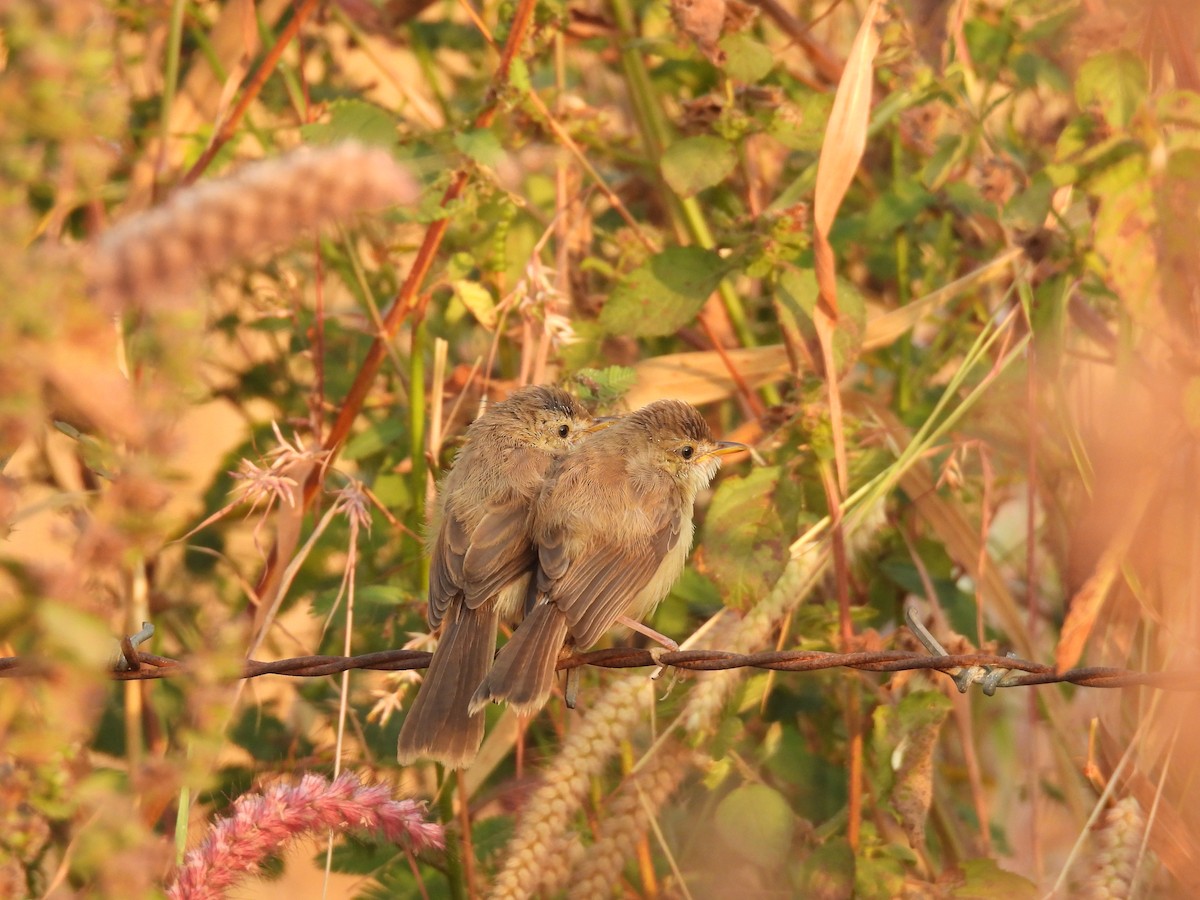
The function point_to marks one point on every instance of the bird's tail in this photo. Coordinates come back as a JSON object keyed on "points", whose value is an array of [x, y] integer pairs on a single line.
{"points": [[440, 725], [523, 674]]}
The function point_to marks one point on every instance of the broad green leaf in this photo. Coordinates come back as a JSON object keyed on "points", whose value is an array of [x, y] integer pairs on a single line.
{"points": [[482, 146], [988, 43], [746, 60], [1126, 240], [384, 595], [693, 164], [985, 880], [605, 386], [799, 122], [393, 491], [375, 438], [1028, 208], [745, 543], [1115, 83], [757, 822], [664, 293], [353, 120]]}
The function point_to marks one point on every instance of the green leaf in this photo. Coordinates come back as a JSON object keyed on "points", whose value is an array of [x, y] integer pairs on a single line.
{"points": [[799, 122], [757, 822], [478, 299], [356, 855], [746, 60], [828, 873], [987, 881], [947, 153], [744, 543], [664, 293], [482, 147], [605, 386], [353, 120], [897, 207], [878, 878], [988, 43], [379, 435], [387, 596], [382, 595], [1125, 238], [796, 300], [1115, 83], [518, 76], [693, 164], [1028, 208], [1179, 108]]}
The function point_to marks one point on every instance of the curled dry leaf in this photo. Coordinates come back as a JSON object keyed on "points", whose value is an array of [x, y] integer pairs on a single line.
{"points": [[705, 21], [702, 21]]}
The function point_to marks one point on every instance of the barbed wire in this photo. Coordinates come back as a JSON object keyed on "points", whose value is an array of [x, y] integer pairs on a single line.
{"points": [[989, 670]]}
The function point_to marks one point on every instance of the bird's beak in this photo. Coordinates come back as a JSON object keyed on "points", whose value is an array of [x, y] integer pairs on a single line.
{"points": [[724, 448], [600, 423]]}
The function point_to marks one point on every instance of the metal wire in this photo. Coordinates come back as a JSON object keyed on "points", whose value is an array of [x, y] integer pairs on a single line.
{"points": [[1015, 672]]}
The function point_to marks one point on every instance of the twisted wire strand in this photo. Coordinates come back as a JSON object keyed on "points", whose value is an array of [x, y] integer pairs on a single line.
{"points": [[1021, 673]]}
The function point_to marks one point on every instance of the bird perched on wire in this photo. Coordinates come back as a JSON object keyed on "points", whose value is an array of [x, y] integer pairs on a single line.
{"points": [[612, 525], [481, 560]]}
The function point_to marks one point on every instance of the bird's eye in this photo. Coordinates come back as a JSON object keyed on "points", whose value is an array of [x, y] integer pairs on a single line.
{"points": [[687, 451], [564, 430]]}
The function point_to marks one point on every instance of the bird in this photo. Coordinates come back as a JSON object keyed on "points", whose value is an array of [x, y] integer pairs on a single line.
{"points": [[481, 560], [612, 526]]}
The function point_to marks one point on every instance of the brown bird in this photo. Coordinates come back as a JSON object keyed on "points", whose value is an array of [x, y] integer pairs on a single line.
{"points": [[613, 526], [481, 560]]}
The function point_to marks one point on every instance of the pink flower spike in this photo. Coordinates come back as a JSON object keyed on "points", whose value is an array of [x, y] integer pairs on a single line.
{"points": [[262, 823]]}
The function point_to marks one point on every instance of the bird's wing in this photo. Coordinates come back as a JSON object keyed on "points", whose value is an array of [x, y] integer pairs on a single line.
{"points": [[501, 550], [600, 584], [446, 566]]}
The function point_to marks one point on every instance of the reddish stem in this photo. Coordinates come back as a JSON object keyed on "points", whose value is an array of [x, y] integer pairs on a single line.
{"points": [[270, 61]]}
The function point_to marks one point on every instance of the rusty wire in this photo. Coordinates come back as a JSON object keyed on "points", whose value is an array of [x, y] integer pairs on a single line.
{"points": [[1016, 672]]}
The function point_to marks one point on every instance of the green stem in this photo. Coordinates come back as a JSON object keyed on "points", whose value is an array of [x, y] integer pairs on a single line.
{"points": [[454, 863], [905, 388], [171, 75], [686, 213]]}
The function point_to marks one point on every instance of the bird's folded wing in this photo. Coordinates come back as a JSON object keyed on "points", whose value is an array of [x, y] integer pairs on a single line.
{"points": [[446, 567], [500, 551], [600, 585]]}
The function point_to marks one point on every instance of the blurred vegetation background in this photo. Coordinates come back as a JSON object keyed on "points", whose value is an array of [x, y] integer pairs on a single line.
{"points": [[995, 417]]}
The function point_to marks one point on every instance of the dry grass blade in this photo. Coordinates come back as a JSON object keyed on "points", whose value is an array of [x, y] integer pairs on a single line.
{"points": [[702, 376], [841, 152], [842, 149]]}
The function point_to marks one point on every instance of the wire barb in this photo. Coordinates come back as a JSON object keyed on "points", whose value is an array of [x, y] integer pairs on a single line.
{"points": [[991, 677], [126, 659]]}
